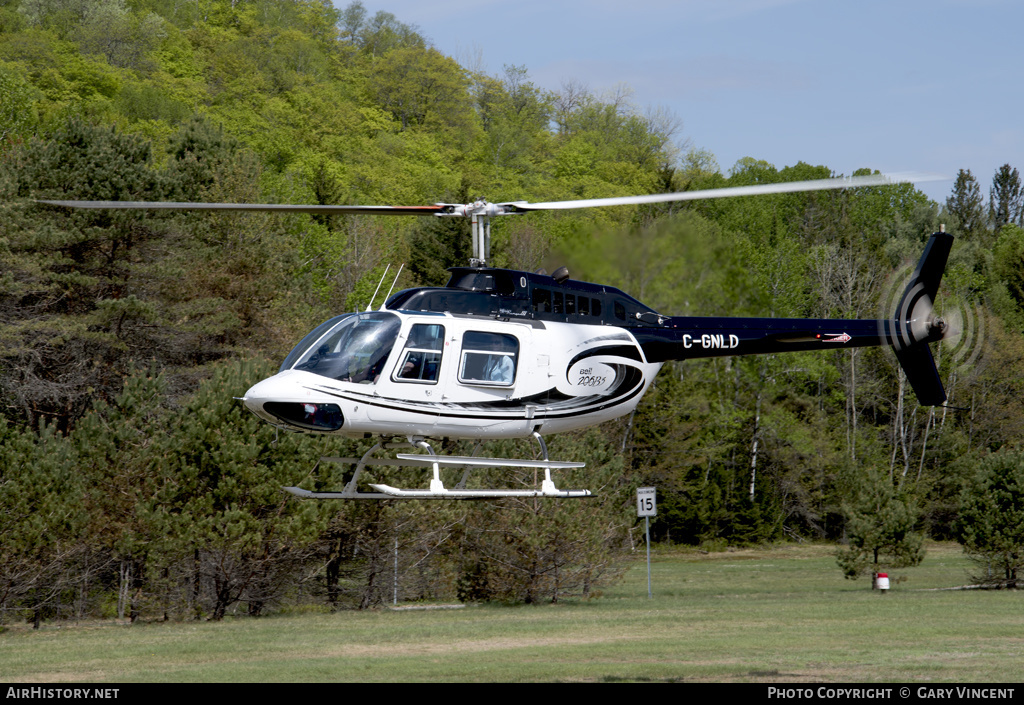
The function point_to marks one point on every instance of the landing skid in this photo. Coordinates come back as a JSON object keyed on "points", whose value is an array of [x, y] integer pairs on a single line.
{"points": [[437, 489]]}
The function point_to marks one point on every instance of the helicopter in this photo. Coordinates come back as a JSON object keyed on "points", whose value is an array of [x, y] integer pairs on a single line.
{"points": [[506, 354]]}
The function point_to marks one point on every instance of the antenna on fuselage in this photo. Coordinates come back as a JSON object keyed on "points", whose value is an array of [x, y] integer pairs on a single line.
{"points": [[392, 286], [369, 306]]}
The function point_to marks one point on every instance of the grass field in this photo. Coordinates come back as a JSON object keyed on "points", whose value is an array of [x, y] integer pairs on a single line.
{"points": [[774, 614]]}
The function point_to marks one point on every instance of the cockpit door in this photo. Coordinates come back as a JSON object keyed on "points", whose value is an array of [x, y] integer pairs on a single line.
{"points": [[417, 369]]}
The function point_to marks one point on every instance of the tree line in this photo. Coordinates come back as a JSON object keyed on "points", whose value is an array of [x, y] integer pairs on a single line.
{"points": [[132, 484]]}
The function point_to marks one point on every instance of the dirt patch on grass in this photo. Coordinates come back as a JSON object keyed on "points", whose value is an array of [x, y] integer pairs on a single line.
{"points": [[463, 646]]}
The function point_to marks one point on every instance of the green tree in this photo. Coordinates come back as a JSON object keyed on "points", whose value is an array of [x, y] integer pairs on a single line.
{"points": [[967, 205], [991, 522], [880, 526], [116, 446], [124, 38], [438, 244], [379, 34], [70, 297], [538, 550], [623, 149], [1006, 198], [422, 87], [17, 104], [41, 521], [1008, 261], [223, 524], [514, 114]]}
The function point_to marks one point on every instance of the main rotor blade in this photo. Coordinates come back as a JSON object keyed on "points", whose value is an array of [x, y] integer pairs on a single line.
{"points": [[517, 207], [285, 207], [729, 192]]}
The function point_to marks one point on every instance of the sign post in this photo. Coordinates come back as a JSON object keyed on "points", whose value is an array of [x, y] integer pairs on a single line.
{"points": [[647, 507]]}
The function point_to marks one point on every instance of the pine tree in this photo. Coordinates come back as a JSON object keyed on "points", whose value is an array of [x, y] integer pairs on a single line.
{"points": [[115, 445], [539, 550], [221, 521], [880, 521], [991, 523], [967, 204], [41, 523], [1006, 198]]}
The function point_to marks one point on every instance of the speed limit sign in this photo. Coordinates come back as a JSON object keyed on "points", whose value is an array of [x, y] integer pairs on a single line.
{"points": [[647, 507], [646, 502]]}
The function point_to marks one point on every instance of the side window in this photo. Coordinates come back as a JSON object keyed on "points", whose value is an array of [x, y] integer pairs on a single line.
{"points": [[620, 311], [595, 307], [489, 358], [421, 357], [541, 300]]}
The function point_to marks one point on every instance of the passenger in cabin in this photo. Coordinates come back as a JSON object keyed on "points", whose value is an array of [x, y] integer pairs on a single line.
{"points": [[499, 369]]}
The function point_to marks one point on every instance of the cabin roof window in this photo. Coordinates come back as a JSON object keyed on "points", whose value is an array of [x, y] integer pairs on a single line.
{"points": [[492, 281], [473, 281]]}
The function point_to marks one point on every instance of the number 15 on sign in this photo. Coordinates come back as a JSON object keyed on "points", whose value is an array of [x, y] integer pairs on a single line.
{"points": [[647, 507], [646, 502]]}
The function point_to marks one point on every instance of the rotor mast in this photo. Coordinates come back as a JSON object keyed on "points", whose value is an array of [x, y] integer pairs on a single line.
{"points": [[480, 213], [481, 223]]}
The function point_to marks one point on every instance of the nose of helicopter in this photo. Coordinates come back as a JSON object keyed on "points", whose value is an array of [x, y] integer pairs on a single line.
{"points": [[256, 395], [268, 390], [275, 400]]}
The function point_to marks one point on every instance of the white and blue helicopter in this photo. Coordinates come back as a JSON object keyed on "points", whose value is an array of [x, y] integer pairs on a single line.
{"points": [[498, 354]]}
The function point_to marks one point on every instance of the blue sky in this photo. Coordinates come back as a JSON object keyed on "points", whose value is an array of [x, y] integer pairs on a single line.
{"points": [[911, 85]]}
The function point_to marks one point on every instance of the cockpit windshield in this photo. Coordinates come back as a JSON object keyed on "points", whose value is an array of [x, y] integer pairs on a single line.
{"points": [[353, 349]]}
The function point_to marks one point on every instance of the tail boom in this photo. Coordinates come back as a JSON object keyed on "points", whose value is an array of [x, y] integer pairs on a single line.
{"points": [[912, 326], [684, 338]]}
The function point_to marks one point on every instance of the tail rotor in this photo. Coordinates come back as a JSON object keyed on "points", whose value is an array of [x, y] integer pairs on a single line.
{"points": [[914, 323]]}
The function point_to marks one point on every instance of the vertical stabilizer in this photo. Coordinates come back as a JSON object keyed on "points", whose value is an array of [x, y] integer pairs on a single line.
{"points": [[914, 323]]}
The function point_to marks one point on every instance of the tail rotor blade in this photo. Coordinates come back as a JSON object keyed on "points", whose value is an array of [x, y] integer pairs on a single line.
{"points": [[914, 323]]}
